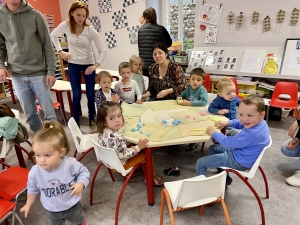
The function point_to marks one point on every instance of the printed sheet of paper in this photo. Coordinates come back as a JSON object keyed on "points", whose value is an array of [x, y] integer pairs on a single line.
{"points": [[211, 35], [173, 133], [110, 39], [133, 109], [187, 129], [105, 6]]}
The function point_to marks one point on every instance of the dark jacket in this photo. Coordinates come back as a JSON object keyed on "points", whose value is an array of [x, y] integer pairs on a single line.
{"points": [[148, 35]]}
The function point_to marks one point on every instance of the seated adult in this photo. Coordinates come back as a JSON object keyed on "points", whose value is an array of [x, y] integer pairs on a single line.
{"points": [[291, 148], [167, 79]]}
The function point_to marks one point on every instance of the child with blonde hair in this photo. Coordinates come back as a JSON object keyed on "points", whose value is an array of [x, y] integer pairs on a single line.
{"points": [[58, 179], [105, 93], [136, 65]]}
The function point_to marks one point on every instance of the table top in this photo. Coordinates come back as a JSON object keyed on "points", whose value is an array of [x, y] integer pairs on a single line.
{"points": [[62, 85]]}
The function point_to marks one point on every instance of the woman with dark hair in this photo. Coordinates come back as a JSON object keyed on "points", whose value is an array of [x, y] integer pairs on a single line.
{"points": [[80, 57], [148, 35], [167, 79]]}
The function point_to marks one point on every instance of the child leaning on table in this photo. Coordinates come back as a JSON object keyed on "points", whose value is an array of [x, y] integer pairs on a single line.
{"points": [[105, 93], [136, 65], [242, 150], [58, 179], [109, 120], [195, 94]]}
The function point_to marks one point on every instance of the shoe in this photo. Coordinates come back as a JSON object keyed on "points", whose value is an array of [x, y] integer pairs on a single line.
{"points": [[228, 180], [294, 180], [157, 181], [191, 147], [172, 171], [91, 123]]}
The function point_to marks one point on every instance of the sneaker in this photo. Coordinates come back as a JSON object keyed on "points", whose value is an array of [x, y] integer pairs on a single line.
{"points": [[157, 181], [191, 147], [91, 123], [294, 180], [228, 180]]}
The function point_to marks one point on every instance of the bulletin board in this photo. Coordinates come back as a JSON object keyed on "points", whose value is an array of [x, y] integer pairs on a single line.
{"points": [[291, 58]]}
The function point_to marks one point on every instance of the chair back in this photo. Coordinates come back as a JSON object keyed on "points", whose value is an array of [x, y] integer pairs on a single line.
{"points": [[236, 87], [196, 191], [146, 82], [211, 97], [109, 158], [206, 82], [288, 88]]}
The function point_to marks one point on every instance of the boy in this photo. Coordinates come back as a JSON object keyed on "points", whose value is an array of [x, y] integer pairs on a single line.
{"points": [[195, 94], [240, 151], [127, 88]]}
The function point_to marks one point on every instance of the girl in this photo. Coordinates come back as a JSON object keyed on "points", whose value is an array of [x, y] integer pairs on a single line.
{"points": [[60, 180], [105, 93], [80, 58], [108, 122], [136, 65]]}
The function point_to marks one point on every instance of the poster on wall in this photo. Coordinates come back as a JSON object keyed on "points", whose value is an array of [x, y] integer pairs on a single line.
{"points": [[84, 1], [128, 2], [119, 19], [211, 35], [95, 21], [197, 60], [110, 39], [105, 6], [290, 64], [210, 14], [133, 34]]}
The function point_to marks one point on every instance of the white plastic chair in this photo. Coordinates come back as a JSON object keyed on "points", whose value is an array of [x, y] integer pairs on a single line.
{"points": [[83, 142], [211, 97], [249, 174], [110, 159], [193, 192], [146, 82]]}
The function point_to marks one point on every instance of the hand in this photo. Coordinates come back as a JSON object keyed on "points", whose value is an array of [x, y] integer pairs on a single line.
{"points": [[50, 80], [293, 129], [25, 209], [292, 144], [89, 70], [139, 101], [64, 55], [210, 130], [115, 98], [179, 98], [143, 143], [162, 94], [223, 111], [145, 96], [4, 74], [184, 103], [221, 123], [77, 188]]}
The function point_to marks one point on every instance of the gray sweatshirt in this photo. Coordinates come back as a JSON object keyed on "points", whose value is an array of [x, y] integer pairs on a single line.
{"points": [[54, 185], [25, 40]]}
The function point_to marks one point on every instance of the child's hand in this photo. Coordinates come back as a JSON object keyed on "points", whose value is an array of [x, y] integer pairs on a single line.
{"points": [[223, 111], [139, 101], [115, 98], [143, 143], [25, 209], [210, 130], [293, 129], [221, 123], [185, 103], [77, 188], [292, 144]]}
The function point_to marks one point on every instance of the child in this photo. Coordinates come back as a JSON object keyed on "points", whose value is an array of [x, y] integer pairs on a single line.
{"points": [[105, 93], [196, 94], [60, 180], [136, 65], [128, 89], [240, 151], [109, 120]]}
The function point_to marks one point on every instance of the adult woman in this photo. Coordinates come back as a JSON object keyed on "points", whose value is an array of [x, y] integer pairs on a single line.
{"points": [[80, 57], [148, 35], [167, 80], [291, 148]]}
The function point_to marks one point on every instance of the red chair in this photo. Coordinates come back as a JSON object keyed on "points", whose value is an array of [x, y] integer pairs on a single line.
{"points": [[206, 82], [287, 88], [236, 88], [56, 105], [7, 209]]}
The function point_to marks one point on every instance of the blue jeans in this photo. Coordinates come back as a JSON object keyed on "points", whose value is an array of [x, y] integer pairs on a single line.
{"points": [[27, 87], [219, 156], [290, 153], [75, 80]]}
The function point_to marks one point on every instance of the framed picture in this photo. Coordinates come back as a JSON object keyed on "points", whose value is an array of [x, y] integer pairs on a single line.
{"points": [[290, 64]]}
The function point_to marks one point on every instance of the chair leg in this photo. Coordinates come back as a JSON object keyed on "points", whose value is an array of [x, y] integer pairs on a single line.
{"points": [[265, 180], [111, 175], [201, 210], [85, 153], [63, 116], [75, 153], [27, 153], [18, 218], [225, 212], [203, 143], [162, 203], [267, 116], [93, 182], [170, 207]]}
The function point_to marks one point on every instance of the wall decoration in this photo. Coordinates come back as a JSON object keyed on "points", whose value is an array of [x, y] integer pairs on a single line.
{"points": [[86, 2], [105, 6], [271, 64], [212, 60], [133, 33], [119, 19], [128, 2], [95, 21], [197, 60], [255, 16], [229, 64], [210, 14], [290, 64], [110, 39], [295, 16], [211, 35], [240, 20], [267, 25]]}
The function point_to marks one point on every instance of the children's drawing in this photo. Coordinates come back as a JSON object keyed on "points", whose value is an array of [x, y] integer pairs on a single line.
{"points": [[210, 14], [211, 35]]}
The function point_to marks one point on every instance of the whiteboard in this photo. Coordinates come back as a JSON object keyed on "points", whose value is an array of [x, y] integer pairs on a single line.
{"points": [[291, 58]]}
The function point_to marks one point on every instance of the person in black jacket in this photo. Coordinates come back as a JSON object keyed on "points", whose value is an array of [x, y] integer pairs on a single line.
{"points": [[148, 35]]}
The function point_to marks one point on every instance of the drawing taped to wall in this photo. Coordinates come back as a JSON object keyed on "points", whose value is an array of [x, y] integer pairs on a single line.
{"points": [[229, 64], [119, 19], [110, 39], [211, 35], [105, 6], [197, 60], [210, 14], [133, 33], [95, 21], [128, 2]]}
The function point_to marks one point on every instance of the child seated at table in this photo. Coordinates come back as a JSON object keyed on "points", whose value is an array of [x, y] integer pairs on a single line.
{"points": [[195, 94], [136, 65], [109, 120], [242, 150], [126, 88], [105, 93]]}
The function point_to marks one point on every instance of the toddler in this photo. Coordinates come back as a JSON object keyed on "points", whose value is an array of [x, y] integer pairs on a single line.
{"points": [[126, 88], [58, 179], [109, 120], [136, 65]]}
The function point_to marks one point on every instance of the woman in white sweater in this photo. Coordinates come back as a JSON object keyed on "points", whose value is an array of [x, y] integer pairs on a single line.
{"points": [[80, 58]]}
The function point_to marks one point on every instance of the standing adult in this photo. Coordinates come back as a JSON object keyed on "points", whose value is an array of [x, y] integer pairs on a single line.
{"points": [[148, 35], [25, 41], [80, 58]]}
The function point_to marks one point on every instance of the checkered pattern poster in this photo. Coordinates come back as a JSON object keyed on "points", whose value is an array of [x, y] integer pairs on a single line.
{"points": [[110, 39], [128, 2], [119, 19], [85, 2], [105, 6], [133, 33], [95, 20]]}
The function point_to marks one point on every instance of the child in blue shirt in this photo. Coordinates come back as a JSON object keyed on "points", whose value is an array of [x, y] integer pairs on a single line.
{"points": [[242, 150]]}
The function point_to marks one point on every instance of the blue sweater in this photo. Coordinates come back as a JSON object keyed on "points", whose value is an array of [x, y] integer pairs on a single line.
{"points": [[220, 103], [197, 97], [248, 144]]}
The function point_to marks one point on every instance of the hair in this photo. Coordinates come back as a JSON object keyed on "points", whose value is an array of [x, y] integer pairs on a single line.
{"points": [[103, 110], [224, 82], [124, 65], [161, 46], [150, 15], [133, 58], [255, 100], [198, 71], [103, 74], [77, 5], [50, 130]]}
